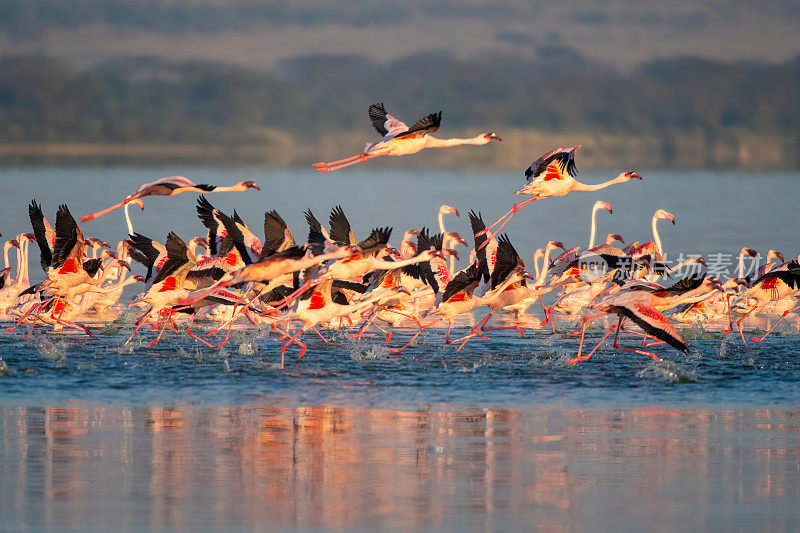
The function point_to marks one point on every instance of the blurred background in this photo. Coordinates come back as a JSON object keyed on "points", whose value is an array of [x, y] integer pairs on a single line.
{"points": [[270, 83]]}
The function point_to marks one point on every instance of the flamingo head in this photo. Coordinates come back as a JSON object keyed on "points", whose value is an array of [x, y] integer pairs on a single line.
{"points": [[603, 205], [663, 214], [108, 254], [748, 251], [123, 264], [410, 233], [429, 254], [391, 250], [5, 272], [138, 202], [28, 237], [491, 137], [139, 279], [450, 251], [772, 254], [614, 237], [700, 261], [250, 185], [458, 238], [446, 209], [556, 244], [631, 175]]}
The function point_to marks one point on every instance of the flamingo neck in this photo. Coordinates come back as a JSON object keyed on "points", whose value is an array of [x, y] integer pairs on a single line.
{"points": [[588, 188], [594, 227], [128, 219], [656, 238], [741, 265], [6, 246], [435, 142], [539, 253], [541, 275]]}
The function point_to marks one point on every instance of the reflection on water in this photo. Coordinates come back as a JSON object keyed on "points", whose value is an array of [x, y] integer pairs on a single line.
{"points": [[197, 468]]}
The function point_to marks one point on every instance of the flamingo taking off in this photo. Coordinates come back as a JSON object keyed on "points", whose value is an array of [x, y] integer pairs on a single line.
{"points": [[399, 139], [171, 186], [553, 174]]}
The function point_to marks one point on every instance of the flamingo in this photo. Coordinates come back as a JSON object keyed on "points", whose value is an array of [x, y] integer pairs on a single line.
{"points": [[170, 186], [399, 139], [553, 174]]}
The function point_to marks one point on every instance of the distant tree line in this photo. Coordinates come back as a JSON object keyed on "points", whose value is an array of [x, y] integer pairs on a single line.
{"points": [[146, 99]]}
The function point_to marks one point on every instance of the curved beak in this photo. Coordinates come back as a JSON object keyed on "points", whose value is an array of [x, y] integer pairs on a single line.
{"points": [[558, 244], [493, 136], [606, 206], [669, 216], [701, 261], [450, 251], [634, 175], [750, 252]]}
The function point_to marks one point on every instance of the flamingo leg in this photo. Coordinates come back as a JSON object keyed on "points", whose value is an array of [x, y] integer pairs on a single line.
{"points": [[93, 216], [547, 316], [360, 159], [294, 338], [578, 358], [761, 339], [585, 320], [640, 352], [338, 161], [474, 332], [367, 322], [189, 332], [421, 329], [326, 341], [730, 316], [739, 324], [503, 220], [158, 338]]}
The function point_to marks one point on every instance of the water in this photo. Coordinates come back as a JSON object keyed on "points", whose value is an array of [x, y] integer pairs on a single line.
{"points": [[500, 435]]}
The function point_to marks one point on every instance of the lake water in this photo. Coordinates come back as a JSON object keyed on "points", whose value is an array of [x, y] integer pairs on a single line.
{"points": [[502, 435]]}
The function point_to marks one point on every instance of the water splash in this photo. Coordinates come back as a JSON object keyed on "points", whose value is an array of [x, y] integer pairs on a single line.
{"points": [[366, 353], [669, 371], [4, 371], [247, 348], [55, 350]]}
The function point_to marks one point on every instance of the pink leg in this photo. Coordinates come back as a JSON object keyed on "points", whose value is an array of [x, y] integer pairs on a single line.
{"points": [[360, 159], [739, 324], [153, 343], [730, 316], [640, 352], [585, 320], [294, 338], [474, 332], [320, 335], [338, 161], [189, 332], [421, 329], [761, 339], [503, 220], [578, 358]]}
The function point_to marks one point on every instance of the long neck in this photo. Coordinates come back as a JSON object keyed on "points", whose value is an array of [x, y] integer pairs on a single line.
{"points": [[434, 142], [584, 187], [741, 265], [128, 219], [391, 265], [6, 246], [687, 261], [656, 238], [18, 272], [541, 275], [594, 227], [24, 253], [536, 255]]}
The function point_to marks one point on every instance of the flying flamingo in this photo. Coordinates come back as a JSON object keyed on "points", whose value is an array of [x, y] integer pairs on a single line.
{"points": [[399, 139], [553, 174], [171, 186]]}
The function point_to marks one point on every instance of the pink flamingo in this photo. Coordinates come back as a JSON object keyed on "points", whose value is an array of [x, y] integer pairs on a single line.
{"points": [[399, 139], [553, 174], [170, 186]]}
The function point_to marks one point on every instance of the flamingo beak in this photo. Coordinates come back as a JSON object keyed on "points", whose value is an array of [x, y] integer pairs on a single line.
{"points": [[780, 256], [750, 252], [413, 232], [607, 207], [452, 252], [633, 175], [574, 149], [493, 137], [526, 275], [14, 243], [669, 216], [138, 202], [140, 279], [701, 261], [451, 210], [30, 236], [559, 244]]}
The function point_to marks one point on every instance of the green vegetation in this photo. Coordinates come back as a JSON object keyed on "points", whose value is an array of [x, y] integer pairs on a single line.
{"points": [[310, 99]]}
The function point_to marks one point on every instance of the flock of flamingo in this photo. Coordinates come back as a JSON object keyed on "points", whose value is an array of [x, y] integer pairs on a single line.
{"points": [[334, 280]]}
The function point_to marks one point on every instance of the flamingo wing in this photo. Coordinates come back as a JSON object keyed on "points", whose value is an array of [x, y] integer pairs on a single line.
{"points": [[507, 261], [384, 123], [650, 319], [341, 233], [69, 238], [425, 125], [377, 240], [40, 232], [177, 257], [552, 165], [277, 236], [316, 239], [464, 281]]}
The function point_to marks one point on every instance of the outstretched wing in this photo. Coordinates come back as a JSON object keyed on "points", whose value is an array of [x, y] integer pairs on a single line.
{"points": [[277, 236], [341, 233], [466, 280], [384, 123], [650, 319], [316, 239], [425, 125], [40, 232], [508, 260], [69, 239], [553, 165]]}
